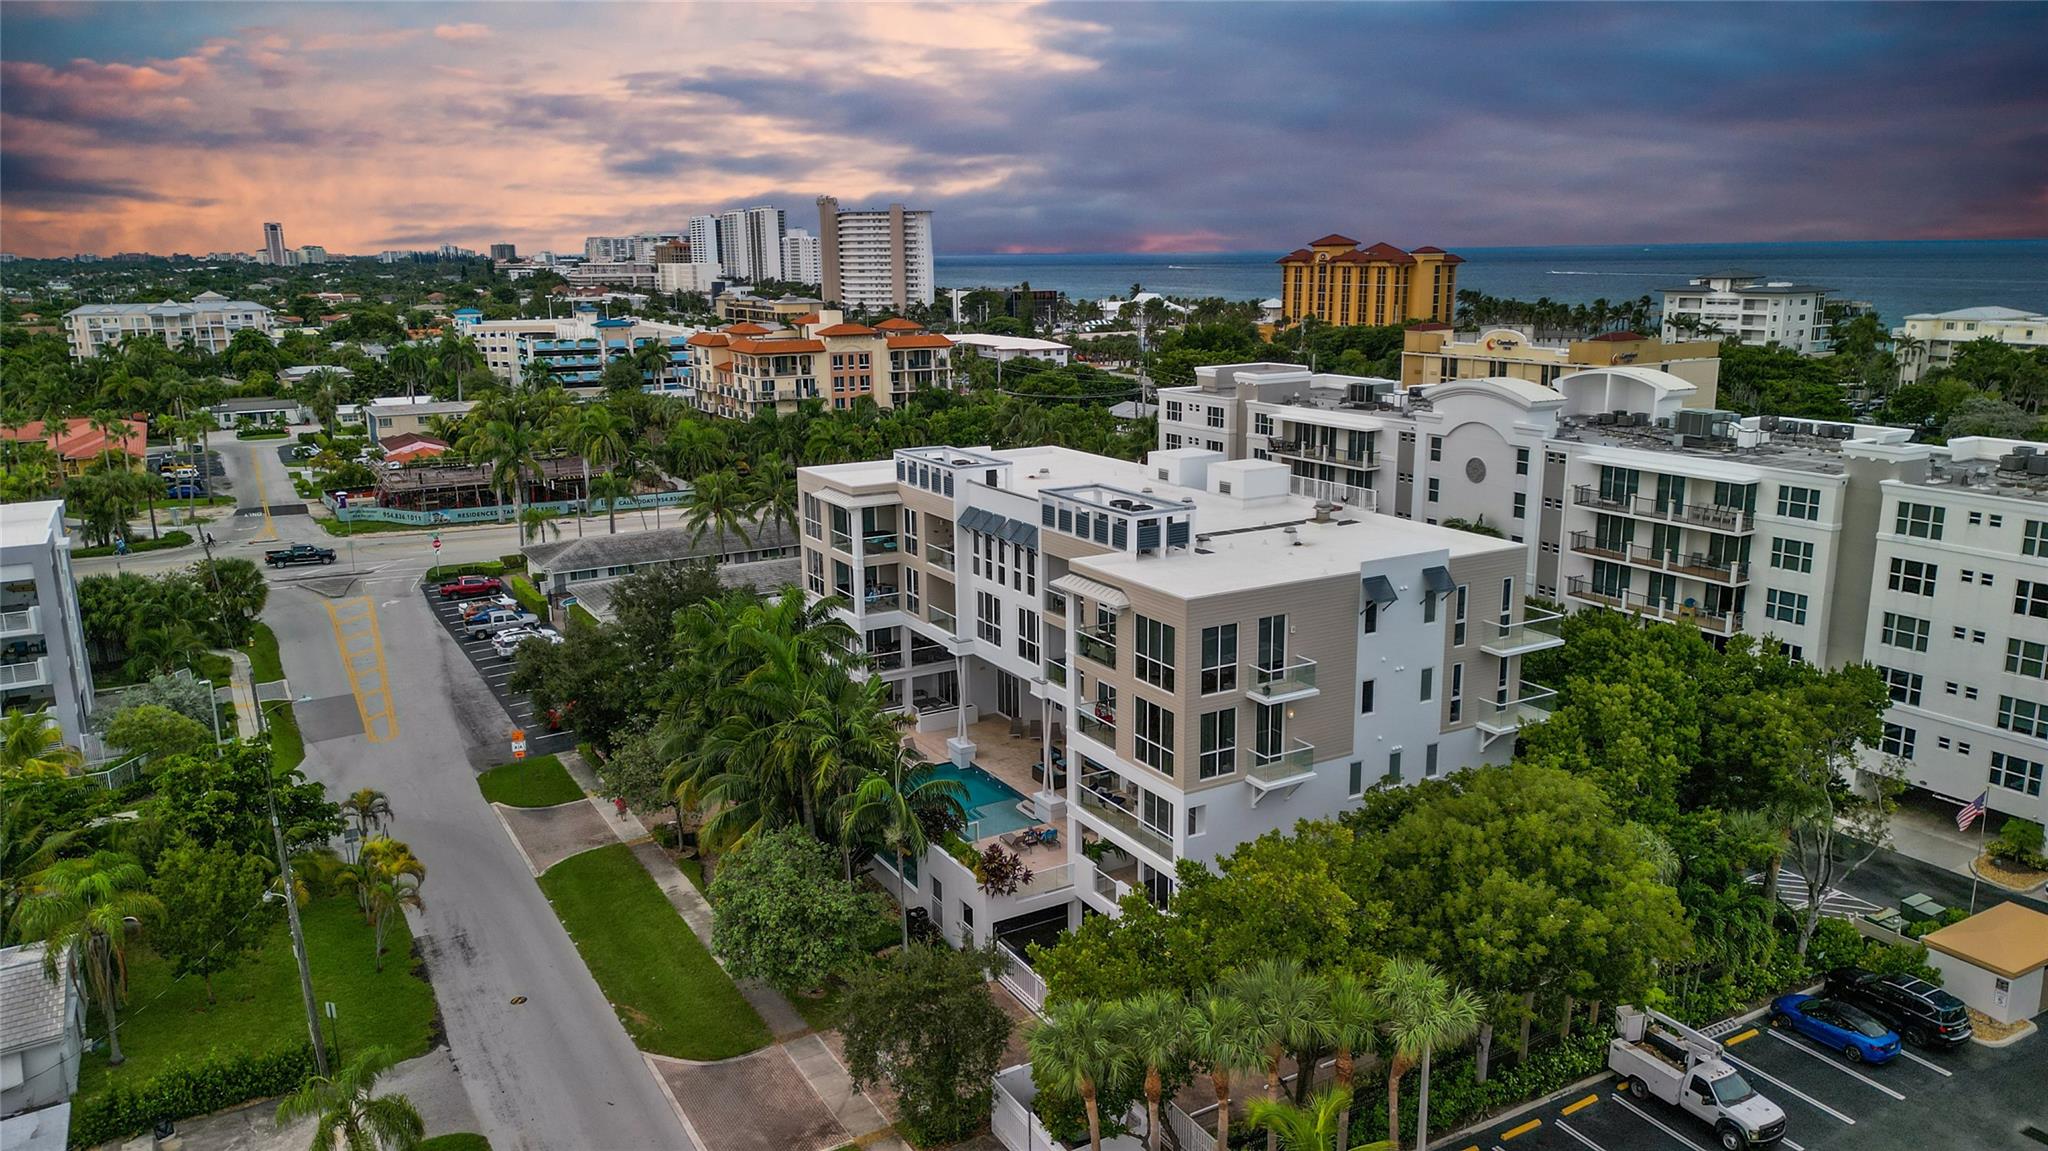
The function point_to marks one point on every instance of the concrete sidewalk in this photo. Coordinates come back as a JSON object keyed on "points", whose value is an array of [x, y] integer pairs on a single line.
{"points": [[431, 1082], [242, 691]]}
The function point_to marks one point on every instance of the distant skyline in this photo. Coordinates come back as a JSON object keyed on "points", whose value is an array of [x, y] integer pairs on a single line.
{"points": [[1027, 128]]}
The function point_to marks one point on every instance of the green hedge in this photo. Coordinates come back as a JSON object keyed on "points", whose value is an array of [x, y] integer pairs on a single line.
{"points": [[210, 1085], [516, 562], [1455, 1100], [448, 572], [261, 434], [461, 1141], [175, 538], [529, 596]]}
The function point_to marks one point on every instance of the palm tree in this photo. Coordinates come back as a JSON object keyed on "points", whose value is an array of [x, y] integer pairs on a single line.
{"points": [[369, 808], [411, 363], [716, 502], [1150, 1028], [1073, 1050], [593, 431], [1224, 1035], [611, 487], [535, 523], [654, 358], [773, 493], [509, 445], [387, 878], [887, 805], [82, 910], [695, 446], [1292, 1008], [1319, 1126], [32, 743], [1423, 1012], [1355, 1019], [347, 1117]]}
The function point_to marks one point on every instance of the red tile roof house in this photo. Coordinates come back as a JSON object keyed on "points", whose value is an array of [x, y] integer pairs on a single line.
{"points": [[78, 443]]}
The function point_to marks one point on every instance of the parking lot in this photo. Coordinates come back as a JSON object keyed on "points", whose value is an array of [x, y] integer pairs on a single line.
{"points": [[1974, 1098], [496, 671]]}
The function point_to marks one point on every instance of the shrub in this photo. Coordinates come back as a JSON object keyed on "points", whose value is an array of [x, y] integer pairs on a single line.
{"points": [[782, 913], [1836, 943], [922, 1022], [516, 562], [2019, 844], [1455, 1100], [214, 1083]]}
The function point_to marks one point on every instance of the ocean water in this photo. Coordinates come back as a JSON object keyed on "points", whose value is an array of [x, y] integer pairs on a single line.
{"points": [[1897, 277]]}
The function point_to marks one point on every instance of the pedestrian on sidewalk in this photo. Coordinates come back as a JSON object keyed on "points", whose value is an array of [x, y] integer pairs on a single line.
{"points": [[620, 802]]}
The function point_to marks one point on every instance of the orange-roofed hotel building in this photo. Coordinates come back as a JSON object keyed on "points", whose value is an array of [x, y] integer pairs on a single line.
{"points": [[745, 368], [1338, 282]]}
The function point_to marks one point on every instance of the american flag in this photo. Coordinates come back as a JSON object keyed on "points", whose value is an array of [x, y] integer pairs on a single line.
{"points": [[1971, 811]]}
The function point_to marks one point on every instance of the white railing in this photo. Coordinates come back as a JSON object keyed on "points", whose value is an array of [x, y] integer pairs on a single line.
{"points": [[30, 671], [1051, 879], [1023, 982], [27, 619], [1012, 1119], [1329, 491]]}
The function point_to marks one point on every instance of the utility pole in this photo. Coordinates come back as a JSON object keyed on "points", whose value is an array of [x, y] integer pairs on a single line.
{"points": [[291, 911]]}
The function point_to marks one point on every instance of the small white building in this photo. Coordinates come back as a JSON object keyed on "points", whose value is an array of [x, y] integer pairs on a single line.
{"points": [[259, 412], [1748, 308], [1994, 961], [42, 1033], [1003, 349], [1929, 339]]}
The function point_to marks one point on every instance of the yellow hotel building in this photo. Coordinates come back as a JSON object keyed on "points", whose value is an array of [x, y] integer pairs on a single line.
{"points": [[1338, 282]]}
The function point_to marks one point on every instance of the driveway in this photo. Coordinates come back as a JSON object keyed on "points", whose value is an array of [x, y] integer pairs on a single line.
{"points": [[543, 1059]]}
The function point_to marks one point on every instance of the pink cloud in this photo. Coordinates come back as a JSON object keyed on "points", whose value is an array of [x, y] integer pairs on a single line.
{"points": [[1200, 240], [462, 31]]}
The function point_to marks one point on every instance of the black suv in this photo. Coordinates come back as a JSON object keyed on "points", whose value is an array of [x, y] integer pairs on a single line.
{"points": [[1924, 1014]]}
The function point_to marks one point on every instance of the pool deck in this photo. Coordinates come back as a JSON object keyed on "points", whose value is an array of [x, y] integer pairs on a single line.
{"points": [[1008, 758]]}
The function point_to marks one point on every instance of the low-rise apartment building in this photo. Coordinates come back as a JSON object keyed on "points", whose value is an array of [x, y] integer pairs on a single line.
{"points": [[43, 662], [577, 350], [1435, 354], [208, 322], [1159, 660], [1746, 307], [1928, 340], [1005, 348], [743, 368], [1830, 537], [745, 307]]}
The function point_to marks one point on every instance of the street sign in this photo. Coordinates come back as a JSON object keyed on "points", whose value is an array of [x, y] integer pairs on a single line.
{"points": [[518, 743], [437, 541]]}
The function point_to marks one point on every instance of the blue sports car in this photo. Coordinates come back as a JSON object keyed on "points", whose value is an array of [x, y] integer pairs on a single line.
{"points": [[1838, 1026]]}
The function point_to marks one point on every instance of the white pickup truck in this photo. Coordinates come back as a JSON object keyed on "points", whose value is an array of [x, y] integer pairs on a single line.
{"points": [[1657, 1056]]}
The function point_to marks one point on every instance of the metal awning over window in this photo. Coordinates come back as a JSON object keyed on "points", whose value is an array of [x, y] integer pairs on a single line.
{"points": [[1437, 580], [1380, 590], [1089, 589]]}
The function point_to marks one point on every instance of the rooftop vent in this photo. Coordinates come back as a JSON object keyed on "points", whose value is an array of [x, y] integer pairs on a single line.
{"points": [[1293, 535]]}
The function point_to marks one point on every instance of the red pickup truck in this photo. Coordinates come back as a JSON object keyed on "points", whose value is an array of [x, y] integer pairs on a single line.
{"points": [[471, 585]]}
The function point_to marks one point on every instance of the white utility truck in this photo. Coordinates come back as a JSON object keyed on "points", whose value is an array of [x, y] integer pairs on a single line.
{"points": [[1657, 1056]]}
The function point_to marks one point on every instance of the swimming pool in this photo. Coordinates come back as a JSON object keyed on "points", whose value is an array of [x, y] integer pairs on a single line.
{"points": [[991, 803]]}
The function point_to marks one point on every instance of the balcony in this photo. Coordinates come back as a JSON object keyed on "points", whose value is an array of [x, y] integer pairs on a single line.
{"points": [[939, 556], [1109, 808], [1098, 644], [1713, 517], [1695, 565], [1292, 681], [1706, 619], [1533, 703], [22, 621], [1540, 633], [887, 660], [1055, 604], [1294, 763], [1050, 879], [1110, 887], [842, 541], [1097, 721], [1056, 672], [925, 655], [25, 674], [878, 542], [1588, 496], [1325, 453], [944, 619], [881, 600]]}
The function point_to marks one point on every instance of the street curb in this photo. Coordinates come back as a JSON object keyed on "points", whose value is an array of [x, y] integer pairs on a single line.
{"points": [[675, 1104], [498, 809], [2009, 1040], [2033, 889]]}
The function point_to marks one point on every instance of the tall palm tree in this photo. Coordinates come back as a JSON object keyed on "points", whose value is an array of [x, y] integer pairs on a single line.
{"points": [[413, 364], [509, 445], [369, 808], [596, 434], [535, 523], [717, 502], [886, 804], [696, 446], [1224, 1034], [772, 493], [1356, 1015], [1424, 1012], [1074, 1049], [1293, 1010], [1319, 1126], [611, 487], [1150, 1027], [347, 1116], [81, 910], [32, 743]]}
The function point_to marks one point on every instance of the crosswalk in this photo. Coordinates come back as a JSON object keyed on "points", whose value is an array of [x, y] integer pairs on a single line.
{"points": [[1794, 892]]}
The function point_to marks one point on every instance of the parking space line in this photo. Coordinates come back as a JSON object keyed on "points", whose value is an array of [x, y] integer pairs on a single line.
{"points": [[1524, 1129], [1937, 1068], [1581, 1105], [1849, 1071], [1573, 1132], [1654, 1122], [1742, 1038], [1795, 1092], [1790, 1145]]}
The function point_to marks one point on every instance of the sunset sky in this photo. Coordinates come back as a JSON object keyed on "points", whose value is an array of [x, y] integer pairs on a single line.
{"points": [[1126, 127]]}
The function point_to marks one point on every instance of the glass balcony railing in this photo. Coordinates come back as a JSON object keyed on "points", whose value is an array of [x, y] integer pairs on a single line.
{"points": [[944, 619], [1539, 632], [1098, 644], [882, 601], [1288, 680], [1056, 672], [939, 557], [1109, 807], [1295, 759], [1110, 887], [924, 655], [1097, 722], [1533, 703], [879, 542], [842, 541]]}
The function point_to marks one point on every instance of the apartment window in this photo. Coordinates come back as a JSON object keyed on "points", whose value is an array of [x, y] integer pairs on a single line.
{"points": [[1521, 461], [1436, 488], [1904, 685], [2016, 774], [1798, 503], [2023, 716], [2025, 657], [2031, 598], [1027, 634], [1394, 766], [966, 921], [1219, 743], [1216, 416], [1155, 653], [2035, 541], [1262, 423], [1789, 607], [1921, 521], [1458, 618], [1429, 762], [988, 623], [1365, 697], [1198, 821], [1173, 410], [1272, 641], [1154, 735], [1219, 658], [1157, 812], [1912, 577], [1898, 740], [1356, 787], [1428, 684], [1909, 632], [814, 564], [1369, 619], [813, 521], [909, 532], [1428, 607], [1457, 700], [1173, 441], [1791, 555], [1436, 449], [1521, 506]]}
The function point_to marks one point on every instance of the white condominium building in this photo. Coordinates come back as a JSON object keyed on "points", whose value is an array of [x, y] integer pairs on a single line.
{"points": [[1624, 498], [43, 661], [750, 244], [800, 260], [610, 249], [875, 261], [208, 322], [702, 235], [1929, 339], [1749, 308], [1158, 660]]}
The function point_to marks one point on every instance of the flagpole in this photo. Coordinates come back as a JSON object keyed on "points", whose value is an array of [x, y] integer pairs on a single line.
{"points": [[1983, 820]]}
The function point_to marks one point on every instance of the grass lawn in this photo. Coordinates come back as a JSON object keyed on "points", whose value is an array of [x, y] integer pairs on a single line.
{"points": [[462, 1141], [287, 746], [693, 870], [216, 668], [671, 995], [339, 530], [538, 782], [529, 596], [264, 664], [261, 434], [578, 612], [259, 1009]]}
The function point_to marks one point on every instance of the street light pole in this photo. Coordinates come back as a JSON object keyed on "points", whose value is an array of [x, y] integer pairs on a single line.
{"points": [[291, 911]]}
